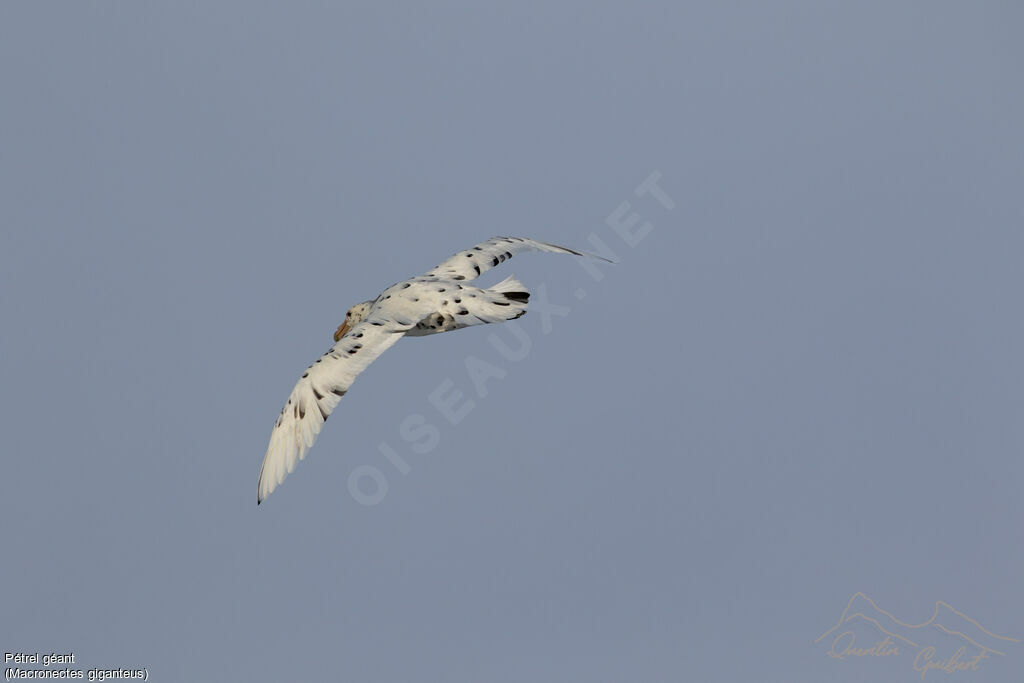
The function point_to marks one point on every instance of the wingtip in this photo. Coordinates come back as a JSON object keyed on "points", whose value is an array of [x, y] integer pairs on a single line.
{"points": [[587, 254]]}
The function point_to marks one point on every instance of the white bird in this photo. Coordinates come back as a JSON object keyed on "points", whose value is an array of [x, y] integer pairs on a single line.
{"points": [[437, 301]]}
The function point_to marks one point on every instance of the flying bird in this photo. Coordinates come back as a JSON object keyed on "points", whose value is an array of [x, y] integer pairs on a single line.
{"points": [[440, 300]]}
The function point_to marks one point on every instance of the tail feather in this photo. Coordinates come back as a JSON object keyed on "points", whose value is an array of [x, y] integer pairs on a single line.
{"points": [[513, 293], [512, 289]]}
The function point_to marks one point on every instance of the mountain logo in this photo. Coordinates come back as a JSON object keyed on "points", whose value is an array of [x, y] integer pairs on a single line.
{"points": [[950, 641]]}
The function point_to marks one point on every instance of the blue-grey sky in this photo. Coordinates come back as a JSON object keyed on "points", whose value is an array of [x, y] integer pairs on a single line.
{"points": [[804, 381]]}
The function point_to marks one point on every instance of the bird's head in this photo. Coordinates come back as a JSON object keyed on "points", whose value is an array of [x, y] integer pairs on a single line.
{"points": [[353, 317]]}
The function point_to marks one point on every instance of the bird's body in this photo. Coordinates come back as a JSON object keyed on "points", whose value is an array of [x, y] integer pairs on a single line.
{"points": [[441, 300]]}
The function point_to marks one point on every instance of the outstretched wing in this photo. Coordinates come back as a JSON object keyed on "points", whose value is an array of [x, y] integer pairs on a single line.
{"points": [[317, 393], [469, 264]]}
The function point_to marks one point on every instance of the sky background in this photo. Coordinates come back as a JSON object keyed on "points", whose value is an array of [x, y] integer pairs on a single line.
{"points": [[804, 381]]}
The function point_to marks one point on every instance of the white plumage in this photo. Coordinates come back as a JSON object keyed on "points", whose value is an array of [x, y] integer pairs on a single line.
{"points": [[438, 301]]}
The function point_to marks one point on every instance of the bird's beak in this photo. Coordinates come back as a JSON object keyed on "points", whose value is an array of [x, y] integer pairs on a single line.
{"points": [[342, 329]]}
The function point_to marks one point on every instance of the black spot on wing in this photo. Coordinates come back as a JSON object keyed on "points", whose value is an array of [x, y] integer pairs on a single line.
{"points": [[317, 394], [521, 297]]}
